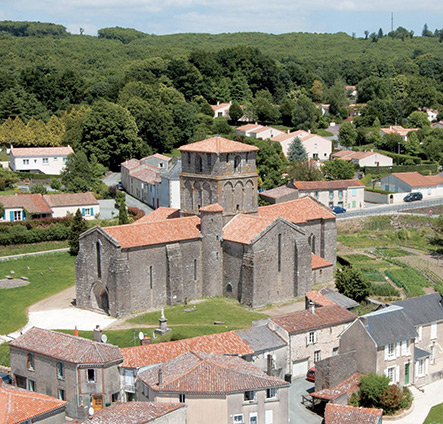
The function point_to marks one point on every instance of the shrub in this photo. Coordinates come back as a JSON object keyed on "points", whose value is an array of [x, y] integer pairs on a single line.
{"points": [[352, 283], [55, 184], [371, 389], [135, 213], [391, 399], [38, 188]]}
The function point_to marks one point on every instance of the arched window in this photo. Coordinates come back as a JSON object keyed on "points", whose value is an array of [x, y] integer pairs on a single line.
{"points": [[99, 260], [229, 288], [237, 162], [311, 241]]}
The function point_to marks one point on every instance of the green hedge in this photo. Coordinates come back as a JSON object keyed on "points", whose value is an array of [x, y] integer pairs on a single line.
{"points": [[377, 190], [36, 176], [424, 169]]}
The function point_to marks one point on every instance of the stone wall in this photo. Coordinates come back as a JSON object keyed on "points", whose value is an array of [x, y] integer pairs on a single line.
{"points": [[333, 370]]}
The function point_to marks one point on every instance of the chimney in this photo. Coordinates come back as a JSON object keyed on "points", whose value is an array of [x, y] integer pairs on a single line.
{"points": [[218, 103], [287, 131], [75, 331], [269, 365], [145, 341], [311, 307], [160, 377], [97, 334]]}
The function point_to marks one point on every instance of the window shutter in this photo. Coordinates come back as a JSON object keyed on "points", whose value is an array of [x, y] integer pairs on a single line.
{"points": [[420, 332], [386, 372], [315, 337], [398, 350], [4, 216], [386, 352], [11, 216], [83, 211], [403, 348], [397, 373], [307, 339], [426, 366], [434, 330], [416, 368], [24, 215], [92, 211]]}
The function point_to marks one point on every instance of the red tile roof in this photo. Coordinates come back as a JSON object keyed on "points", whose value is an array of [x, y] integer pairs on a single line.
{"points": [[345, 414], [147, 175], [279, 192], [130, 164], [70, 199], [297, 211], [160, 214], [19, 405], [157, 232], [32, 203], [133, 412], [209, 374], [283, 137], [319, 262], [160, 156], [228, 343], [41, 151], [220, 106], [348, 386], [217, 145], [342, 154], [212, 208], [66, 347], [318, 298], [434, 179], [415, 179], [248, 127], [327, 185], [398, 129], [326, 316], [244, 228]]}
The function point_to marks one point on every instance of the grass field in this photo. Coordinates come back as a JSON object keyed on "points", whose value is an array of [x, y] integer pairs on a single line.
{"points": [[31, 248], [4, 355], [435, 415], [43, 283]]}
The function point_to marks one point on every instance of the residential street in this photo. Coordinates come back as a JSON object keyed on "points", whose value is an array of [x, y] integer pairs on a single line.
{"points": [[297, 412]]}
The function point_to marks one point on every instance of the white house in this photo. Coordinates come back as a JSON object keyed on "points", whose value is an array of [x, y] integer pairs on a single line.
{"points": [[258, 131], [398, 129], [221, 109], [405, 182], [67, 204], [46, 160], [363, 158], [316, 146]]}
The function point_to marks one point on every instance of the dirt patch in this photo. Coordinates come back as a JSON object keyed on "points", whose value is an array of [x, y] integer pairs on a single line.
{"points": [[12, 283]]}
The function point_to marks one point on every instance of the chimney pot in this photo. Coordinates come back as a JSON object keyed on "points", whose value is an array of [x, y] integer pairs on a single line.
{"points": [[75, 332], [160, 377], [312, 307]]}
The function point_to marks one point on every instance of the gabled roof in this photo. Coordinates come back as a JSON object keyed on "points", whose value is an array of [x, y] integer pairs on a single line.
{"points": [[398, 129], [348, 386], [130, 164], [319, 262], [284, 136], [261, 338], [279, 192], [244, 228], [41, 151], [346, 414], [327, 185], [19, 405], [318, 299], [215, 207], [297, 211], [66, 347], [70, 199], [218, 145], [160, 214], [133, 412], [415, 179], [388, 325], [220, 106], [227, 343], [157, 232], [420, 353], [302, 321], [160, 157], [147, 175], [206, 373], [338, 298], [32, 203], [424, 309], [248, 127]]}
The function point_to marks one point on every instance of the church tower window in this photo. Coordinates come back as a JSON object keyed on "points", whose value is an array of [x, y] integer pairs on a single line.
{"points": [[237, 162], [195, 269], [99, 260], [279, 253], [150, 276]]}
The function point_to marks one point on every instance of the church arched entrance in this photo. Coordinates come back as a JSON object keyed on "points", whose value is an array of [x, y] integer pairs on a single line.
{"points": [[100, 298]]}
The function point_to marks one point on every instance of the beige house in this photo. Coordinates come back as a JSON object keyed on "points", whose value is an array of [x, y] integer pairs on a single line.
{"points": [[316, 146], [65, 204], [398, 129], [257, 131], [311, 334], [363, 158], [217, 389], [384, 343]]}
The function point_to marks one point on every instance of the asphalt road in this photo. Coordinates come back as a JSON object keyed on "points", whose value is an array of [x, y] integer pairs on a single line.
{"points": [[297, 412]]}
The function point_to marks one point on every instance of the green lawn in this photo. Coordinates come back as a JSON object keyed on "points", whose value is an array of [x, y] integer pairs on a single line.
{"points": [[435, 415], [43, 283], [7, 192], [33, 247], [4, 355]]}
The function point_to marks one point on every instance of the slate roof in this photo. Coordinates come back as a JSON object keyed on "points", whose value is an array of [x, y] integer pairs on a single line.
{"points": [[327, 185], [67, 348], [19, 405], [206, 373], [297, 211], [338, 298], [302, 321], [348, 386], [227, 343], [423, 310], [261, 338], [41, 151], [158, 232], [70, 199], [415, 179], [389, 325], [420, 353], [345, 414], [32, 203], [133, 412], [218, 145]]}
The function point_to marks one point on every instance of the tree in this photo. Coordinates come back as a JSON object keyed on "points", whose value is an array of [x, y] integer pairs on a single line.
{"points": [[55, 184], [352, 283], [337, 169], [78, 227], [372, 388], [79, 175], [380, 33], [266, 112], [235, 112], [366, 34], [305, 114], [336, 97], [317, 91], [347, 134], [418, 120], [38, 189], [122, 214], [412, 144], [297, 151], [426, 32], [305, 171]]}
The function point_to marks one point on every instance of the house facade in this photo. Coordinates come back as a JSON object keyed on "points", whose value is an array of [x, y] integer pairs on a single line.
{"points": [[46, 160], [257, 131], [362, 159], [221, 110], [398, 129], [82, 372], [66, 204], [405, 182]]}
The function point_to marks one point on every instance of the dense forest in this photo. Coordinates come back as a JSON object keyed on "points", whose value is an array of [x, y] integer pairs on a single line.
{"points": [[125, 93]]}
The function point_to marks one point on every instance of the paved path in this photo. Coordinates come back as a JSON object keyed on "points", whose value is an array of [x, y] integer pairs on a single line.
{"points": [[298, 413]]}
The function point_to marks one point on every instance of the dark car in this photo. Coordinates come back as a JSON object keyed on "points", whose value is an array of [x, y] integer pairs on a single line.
{"points": [[120, 186], [5, 378], [310, 375], [338, 209], [413, 196]]}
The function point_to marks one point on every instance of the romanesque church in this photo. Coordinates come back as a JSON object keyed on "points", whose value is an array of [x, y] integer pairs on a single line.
{"points": [[220, 243]]}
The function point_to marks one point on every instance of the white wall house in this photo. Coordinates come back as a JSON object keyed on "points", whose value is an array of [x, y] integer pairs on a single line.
{"points": [[363, 158], [46, 160], [258, 131], [397, 129], [316, 146], [221, 109], [67, 204], [405, 182]]}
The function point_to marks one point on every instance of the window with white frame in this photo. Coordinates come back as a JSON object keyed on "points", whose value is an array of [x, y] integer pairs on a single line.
{"points": [[182, 398], [335, 351], [60, 370], [405, 348], [420, 367], [17, 215], [271, 393], [238, 419], [391, 351], [420, 333], [390, 372], [317, 355], [45, 161], [331, 194], [30, 361], [25, 161], [253, 418], [312, 337], [87, 211], [250, 396], [61, 394], [31, 385]]}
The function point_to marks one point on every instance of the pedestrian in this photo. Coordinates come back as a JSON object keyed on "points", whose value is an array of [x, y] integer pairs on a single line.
{"points": [[430, 213]]}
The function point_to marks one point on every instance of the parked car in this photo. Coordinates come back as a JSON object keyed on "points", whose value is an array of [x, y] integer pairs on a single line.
{"points": [[120, 186], [338, 209], [310, 375], [5, 378], [413, 196]]}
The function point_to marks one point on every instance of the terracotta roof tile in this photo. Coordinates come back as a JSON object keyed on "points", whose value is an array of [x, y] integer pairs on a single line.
{"points": [[319, 262], [296, 211], [220, 106], [157, 232], [208, 373], [285, 136], [130, 164], [244, 228], [19, 405], [326, 316], [434, 179], [415, 179], [41, 151], [327, 185], [228, 343], [248, 127], [212, 208], [318, 298], [133, 412], [342, 154], [348, 386], [147, 175], [217, 145], [66, 347], [277, 192], [345, 414], [70, 199], [398, 129], [160, 214], [160, 156], [32, 203]]}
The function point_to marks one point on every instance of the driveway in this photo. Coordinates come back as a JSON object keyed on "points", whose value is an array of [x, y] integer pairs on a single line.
{"points": [[112, 178], [297, 411]]}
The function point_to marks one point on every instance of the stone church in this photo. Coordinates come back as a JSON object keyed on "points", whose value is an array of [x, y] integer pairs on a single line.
{"points": [[220, 243]]}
